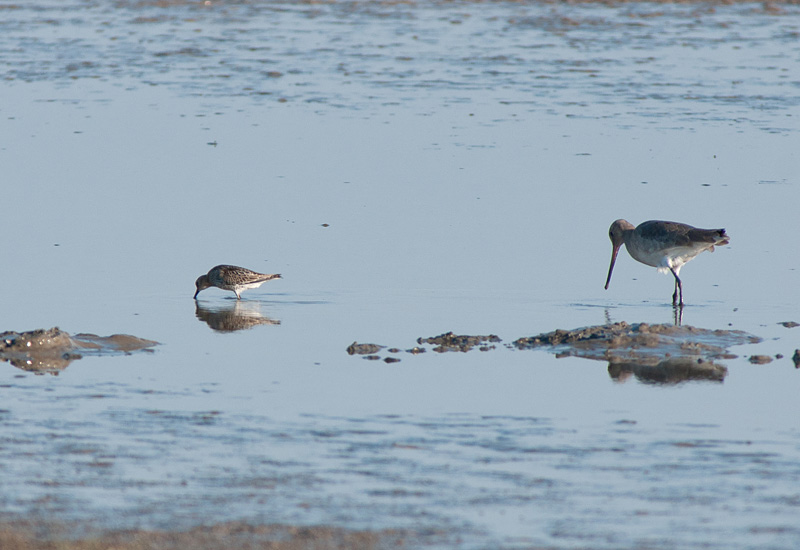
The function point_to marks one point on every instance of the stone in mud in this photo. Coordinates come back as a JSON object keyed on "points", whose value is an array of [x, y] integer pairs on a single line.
{"points": [[790, 324], [796, 358], [363, 349], [760, 359], [455, 342]]}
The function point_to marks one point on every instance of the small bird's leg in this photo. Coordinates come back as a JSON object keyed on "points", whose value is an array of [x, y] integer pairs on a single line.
{"points": [[678, 290]]}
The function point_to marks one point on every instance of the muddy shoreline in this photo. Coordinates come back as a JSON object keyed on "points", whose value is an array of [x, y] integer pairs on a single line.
{"points": [[34, 535]]}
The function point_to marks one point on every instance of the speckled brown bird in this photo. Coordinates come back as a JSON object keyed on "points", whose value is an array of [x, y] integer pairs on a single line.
{"points": [[233, 278]]}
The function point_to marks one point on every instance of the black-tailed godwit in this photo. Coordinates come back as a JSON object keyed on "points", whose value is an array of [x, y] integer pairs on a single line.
{"points": [[664, 245]]}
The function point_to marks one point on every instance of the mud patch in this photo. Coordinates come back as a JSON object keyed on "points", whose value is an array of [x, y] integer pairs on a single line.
{"points": [[463, 343], [363, 349], [52, 350], [642, 343], [442, 343], [26, 536], [654, 354], [661, 354]]}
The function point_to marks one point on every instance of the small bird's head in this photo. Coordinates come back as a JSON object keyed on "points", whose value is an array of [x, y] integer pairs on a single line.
{"points": [[201, 283], [617, 233]]}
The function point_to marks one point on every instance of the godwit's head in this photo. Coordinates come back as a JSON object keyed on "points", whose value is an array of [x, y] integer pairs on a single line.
{"points": [[617, 233], [201, 283]]}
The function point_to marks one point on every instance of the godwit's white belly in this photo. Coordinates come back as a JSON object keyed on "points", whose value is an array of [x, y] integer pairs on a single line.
{"points": [[664, 258]]}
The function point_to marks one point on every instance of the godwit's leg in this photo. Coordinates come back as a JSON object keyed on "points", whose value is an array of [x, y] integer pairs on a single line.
{"points": [[678, 289], [677, 315]]}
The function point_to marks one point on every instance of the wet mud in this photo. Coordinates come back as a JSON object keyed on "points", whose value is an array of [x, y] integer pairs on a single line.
{"points": [[643, 343], [455, 342], [363, 349], [663, 354], [656, 354], [52, 350], [224, 536], [441, 344]]}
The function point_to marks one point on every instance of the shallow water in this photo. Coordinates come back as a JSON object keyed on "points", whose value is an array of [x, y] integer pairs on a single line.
{"points": [[467, 160]]}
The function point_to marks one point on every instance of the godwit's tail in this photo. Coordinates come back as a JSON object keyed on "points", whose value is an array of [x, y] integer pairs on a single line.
{"points": [[715, 237]]}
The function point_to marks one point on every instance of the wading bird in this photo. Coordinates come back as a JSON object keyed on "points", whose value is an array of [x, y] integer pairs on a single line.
{"points": [[664, 245], [233, 278]]}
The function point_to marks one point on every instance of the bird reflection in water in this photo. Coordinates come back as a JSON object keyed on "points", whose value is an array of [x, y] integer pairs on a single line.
{"points": [[232, 317]]}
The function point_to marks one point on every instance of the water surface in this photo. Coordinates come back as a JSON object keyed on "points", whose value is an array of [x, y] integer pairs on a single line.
{"points": [[410, 170]]}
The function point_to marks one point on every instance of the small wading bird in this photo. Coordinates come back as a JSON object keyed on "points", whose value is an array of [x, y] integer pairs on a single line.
{"points": [[665, 245], [233, 278]]}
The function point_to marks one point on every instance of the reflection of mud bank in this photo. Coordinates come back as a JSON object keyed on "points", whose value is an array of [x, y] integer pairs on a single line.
{"points": [[53, 350], [224, 536], [669, 371], [232, 317]]}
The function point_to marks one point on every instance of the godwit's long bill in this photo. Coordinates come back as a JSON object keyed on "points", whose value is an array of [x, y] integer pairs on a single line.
{"points": [[664, 245]]}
